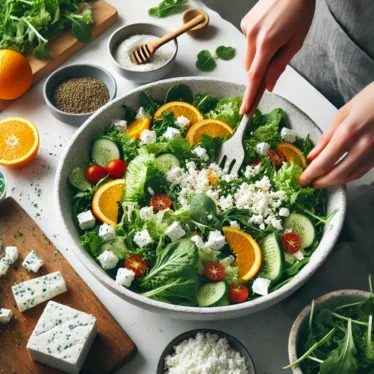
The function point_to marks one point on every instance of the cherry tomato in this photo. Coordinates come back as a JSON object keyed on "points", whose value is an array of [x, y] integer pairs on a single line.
{"points": [[291, 242], [254, 162], [116, 169], [238, 293], [161, 201], [137, 264], [95, 173], [214, 271], [277, 158]]}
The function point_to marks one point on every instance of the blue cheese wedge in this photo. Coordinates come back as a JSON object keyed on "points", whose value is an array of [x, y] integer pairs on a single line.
{"points": [[5, 315], [62, 337], [4, 266], [35, 291], [32, 262]]}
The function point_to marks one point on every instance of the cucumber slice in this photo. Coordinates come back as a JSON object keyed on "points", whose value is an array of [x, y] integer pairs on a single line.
{"points": [[212, 294], [103, 151], [166, 161], [273, 257], [303, 226], [77, 178]]}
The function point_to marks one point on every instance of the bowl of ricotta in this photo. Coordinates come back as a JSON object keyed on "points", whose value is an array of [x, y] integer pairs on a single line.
{"points": [[126, 39]]}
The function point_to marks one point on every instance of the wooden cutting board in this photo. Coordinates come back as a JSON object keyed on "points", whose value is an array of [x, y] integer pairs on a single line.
{"points": [[112, 346], [66, 45]]}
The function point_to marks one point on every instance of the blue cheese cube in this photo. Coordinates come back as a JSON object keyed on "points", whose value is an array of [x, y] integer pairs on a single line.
{"points": [[86, 220], [261, 286], [146, 213], [175, 231], [108, 260], [35, 291], [120, 125], [62, 338], [5, 315], [11, 255], [125, 277], [107, 232], [4, 266], [32, 262], [216, 240], [183, 122], [199, 242], [142, 238], [148, 136], [171, 133]]}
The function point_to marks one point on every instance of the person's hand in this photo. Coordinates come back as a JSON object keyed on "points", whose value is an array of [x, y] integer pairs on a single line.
{"points": [[346, 150], [273, 27]]}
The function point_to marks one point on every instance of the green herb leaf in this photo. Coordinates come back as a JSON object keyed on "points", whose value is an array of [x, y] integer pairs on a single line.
{"points": [[205, 103], [82, 31], [179, 92], [147, 102], [225, 53], [41, 52], [91, 242], [205, 61], [129, 113], [166, 8]]}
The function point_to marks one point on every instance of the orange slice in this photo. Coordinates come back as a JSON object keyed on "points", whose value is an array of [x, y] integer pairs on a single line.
{"points": [[180, 108], [211, 127], [291, 153], [248, 252], [136, 127], [105, 201], [19, 142]]}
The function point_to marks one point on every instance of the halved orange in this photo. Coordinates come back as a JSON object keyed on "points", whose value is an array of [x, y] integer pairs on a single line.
{"points": [[209, 126], [136, 127], [105, 201], [291, 153], [19, 142], [180, 108], [248, 252]]}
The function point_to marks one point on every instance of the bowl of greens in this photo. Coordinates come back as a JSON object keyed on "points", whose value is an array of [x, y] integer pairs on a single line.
{"points": [[162, 225], [334, 334]]}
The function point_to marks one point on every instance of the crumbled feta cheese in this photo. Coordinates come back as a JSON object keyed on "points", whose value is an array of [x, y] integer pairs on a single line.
{"points": [[198, 241], [263, 184], [201, 153], [171, 133], [5, 315], [210, 216], [191, 165], [86, 220], [216, 240], [32, 262], [276, 223], [3, 267], [183, 122], [262, 226], [108, 260], [252, 170], [150, 191], [287, 231], [142, 238], [227, 261], [262, 148], [11, 255], [120, 125], [226, 203], [175, 231], [142, 113], [288, 135], [146, 213], [107, 232], [261, 286], [125, 277], [284, 212], [235, 224], [148, 136], [299, 255]]}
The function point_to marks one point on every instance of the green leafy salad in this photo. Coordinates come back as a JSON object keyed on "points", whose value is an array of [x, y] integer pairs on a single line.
{"points": [[159, 215]]}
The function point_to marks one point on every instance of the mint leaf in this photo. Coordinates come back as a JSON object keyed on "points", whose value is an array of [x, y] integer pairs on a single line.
{"points": [[225, 53], [166, 8], [205, 61]]}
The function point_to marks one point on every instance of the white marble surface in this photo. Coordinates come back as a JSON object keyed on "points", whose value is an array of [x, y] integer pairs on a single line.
{"points": [[265, 334]]}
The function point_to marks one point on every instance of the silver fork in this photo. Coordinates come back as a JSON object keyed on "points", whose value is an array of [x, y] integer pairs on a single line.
{"points": [[231, 154]]}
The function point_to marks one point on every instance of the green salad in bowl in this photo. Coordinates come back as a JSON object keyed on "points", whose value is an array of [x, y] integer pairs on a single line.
{"points": [[163, 219]]}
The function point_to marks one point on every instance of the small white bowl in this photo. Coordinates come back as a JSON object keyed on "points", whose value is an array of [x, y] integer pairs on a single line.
{"points": [[141, 29], [3, 194], [328, 301]]}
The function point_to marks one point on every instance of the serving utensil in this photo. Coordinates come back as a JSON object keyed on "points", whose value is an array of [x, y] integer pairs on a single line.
{"points": [[144, 53]]}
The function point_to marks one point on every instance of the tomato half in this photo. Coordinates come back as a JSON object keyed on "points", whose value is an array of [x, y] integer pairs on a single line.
{"points": [[277, 158], [238, 293], [137, 264], [214, 271], [95, 173], [161, 201], [116, 169], [291, 242]]}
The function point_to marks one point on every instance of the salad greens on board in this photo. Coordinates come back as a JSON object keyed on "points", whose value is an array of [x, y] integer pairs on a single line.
{"points": [[185, 231]]}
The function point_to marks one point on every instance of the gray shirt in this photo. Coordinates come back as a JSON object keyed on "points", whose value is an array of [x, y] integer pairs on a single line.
{"points": [[338, 54]]}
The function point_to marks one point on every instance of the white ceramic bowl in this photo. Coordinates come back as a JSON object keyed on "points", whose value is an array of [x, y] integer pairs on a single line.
{"points": [[328, 301], [77, 152]]}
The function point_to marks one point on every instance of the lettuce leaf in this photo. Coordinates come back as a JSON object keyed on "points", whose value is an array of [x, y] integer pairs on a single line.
{"points": [[227, 110], [91, 242]]}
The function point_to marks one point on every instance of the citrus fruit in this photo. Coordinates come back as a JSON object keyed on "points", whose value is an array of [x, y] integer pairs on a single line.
{"points": [[105, 201], [15, 74], [136, 127], [180, 108], [210, 126], [19, 142], [248, 252], [291, 153]]}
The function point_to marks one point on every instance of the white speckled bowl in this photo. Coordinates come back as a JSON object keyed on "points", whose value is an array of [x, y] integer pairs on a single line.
{"points": [[77, 152], [328, 301]]}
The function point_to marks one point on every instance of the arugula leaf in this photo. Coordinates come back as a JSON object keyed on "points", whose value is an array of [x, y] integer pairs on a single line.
{"points": [[41, 51], [161, 125], [204, 102], [305, 145], [225, 53], [147, 102], [129, 146], [179, 92], [166, 8], [129, 113], [205, 61], [212, 145]]}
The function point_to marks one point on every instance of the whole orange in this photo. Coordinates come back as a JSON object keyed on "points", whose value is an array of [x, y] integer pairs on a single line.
{"points": [[15, 74]]}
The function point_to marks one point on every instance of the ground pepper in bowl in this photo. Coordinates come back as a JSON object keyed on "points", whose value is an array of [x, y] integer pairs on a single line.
{"points": [[81, 95]]}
